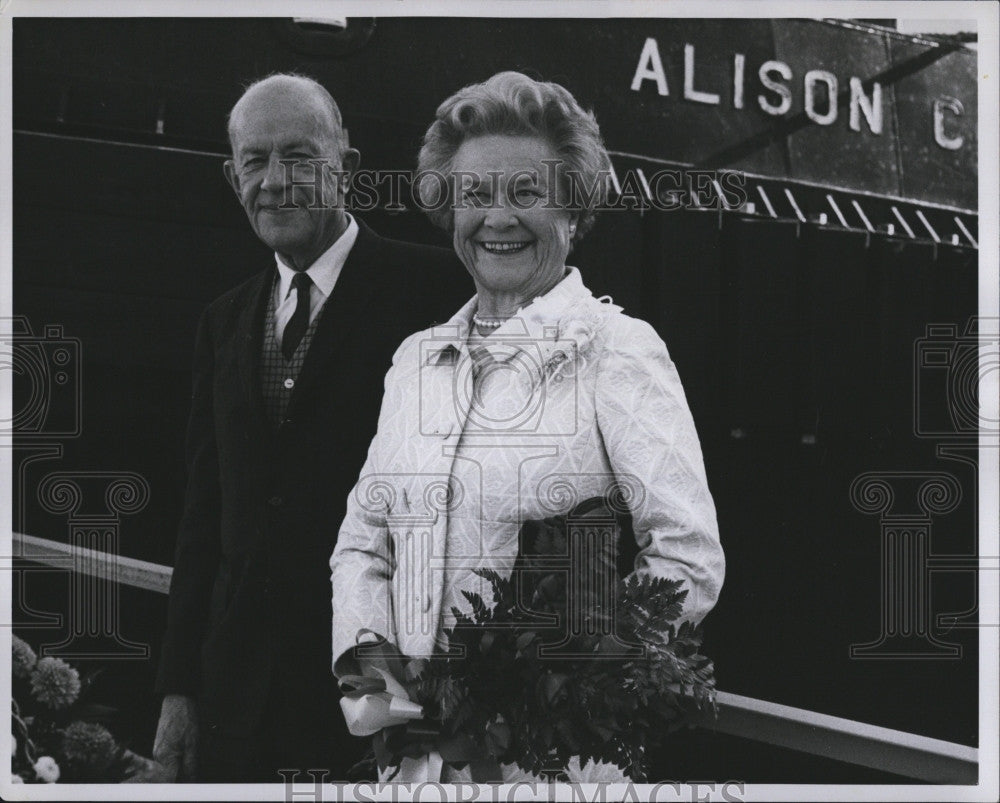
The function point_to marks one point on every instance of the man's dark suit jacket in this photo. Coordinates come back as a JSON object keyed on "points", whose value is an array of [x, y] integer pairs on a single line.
{"points": [[249, 610]]}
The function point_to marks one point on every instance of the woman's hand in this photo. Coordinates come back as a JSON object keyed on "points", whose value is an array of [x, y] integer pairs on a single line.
{"points": [[376, 698]]}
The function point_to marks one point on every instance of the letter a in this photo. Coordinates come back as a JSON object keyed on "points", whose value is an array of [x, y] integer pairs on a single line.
{"points": [[650, 67]]}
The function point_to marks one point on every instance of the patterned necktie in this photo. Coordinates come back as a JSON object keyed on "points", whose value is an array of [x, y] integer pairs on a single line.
{"points": [[299, 322]]}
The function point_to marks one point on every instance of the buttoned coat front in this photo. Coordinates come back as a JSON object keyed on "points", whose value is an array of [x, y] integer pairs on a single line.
{"points": [[565, 401], [249, 611]]}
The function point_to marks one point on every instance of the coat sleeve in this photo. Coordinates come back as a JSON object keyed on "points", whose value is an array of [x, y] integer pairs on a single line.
{"points": [[363, 565], [196, 558], [653, 448]]}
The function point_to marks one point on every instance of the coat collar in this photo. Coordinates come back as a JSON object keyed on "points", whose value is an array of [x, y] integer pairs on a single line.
{"points": [[343, 310], [325, 271], [250, 338], [536, 326]]}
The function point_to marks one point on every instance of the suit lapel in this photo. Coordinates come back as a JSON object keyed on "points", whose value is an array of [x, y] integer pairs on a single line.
{"points": [[250, 339], [348, 306]]}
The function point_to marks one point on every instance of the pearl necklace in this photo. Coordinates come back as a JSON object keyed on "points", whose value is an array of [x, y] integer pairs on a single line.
{"points": [[491, 324]]}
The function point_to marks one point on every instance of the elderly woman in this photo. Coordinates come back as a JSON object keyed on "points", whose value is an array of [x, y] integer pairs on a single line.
{"points": [[533, 397]]}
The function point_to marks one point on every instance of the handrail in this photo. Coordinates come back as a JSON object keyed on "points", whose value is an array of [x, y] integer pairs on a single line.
{"points": [[137, 573], [898, 752], [892, 751]]}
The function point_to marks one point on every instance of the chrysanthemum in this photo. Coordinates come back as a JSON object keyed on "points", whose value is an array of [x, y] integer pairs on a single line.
{"points": [[23, 658], [90, 745], [55, 683]]}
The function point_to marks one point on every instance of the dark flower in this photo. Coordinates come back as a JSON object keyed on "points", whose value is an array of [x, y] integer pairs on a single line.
{"points": [[23, 658], [55, 683], [89, 744]]}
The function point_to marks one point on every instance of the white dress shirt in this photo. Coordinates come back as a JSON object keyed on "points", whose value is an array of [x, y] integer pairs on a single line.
{"points": [[324, 273]]}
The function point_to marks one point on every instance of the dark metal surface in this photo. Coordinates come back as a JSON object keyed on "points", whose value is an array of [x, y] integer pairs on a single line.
{"points": [[180, 76]]}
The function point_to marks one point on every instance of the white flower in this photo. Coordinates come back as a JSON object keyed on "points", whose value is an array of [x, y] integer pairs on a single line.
{"points": [[16, 779], [577, 330], [591, 772], [13, 744], [46, 769]]}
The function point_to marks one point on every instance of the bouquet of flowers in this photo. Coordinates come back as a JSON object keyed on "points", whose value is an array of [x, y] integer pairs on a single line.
{"points": [[567, 659], [55, 736]]}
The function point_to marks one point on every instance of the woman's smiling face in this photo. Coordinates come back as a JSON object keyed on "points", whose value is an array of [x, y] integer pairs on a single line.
{"points": [[511, 230]]}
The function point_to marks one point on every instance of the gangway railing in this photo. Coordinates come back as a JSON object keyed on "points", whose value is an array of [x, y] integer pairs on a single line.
{"points": [[898, 752]]}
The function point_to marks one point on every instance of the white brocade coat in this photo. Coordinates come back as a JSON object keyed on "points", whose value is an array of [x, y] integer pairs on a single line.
{"points": [[573, 397]]}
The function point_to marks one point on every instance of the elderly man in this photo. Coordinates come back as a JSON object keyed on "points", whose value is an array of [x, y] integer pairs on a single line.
{"points": [[287, 386]]}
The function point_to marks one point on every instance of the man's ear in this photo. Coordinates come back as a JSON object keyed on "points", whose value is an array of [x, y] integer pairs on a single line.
{"points": [[349, 161], [229, 168]]}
